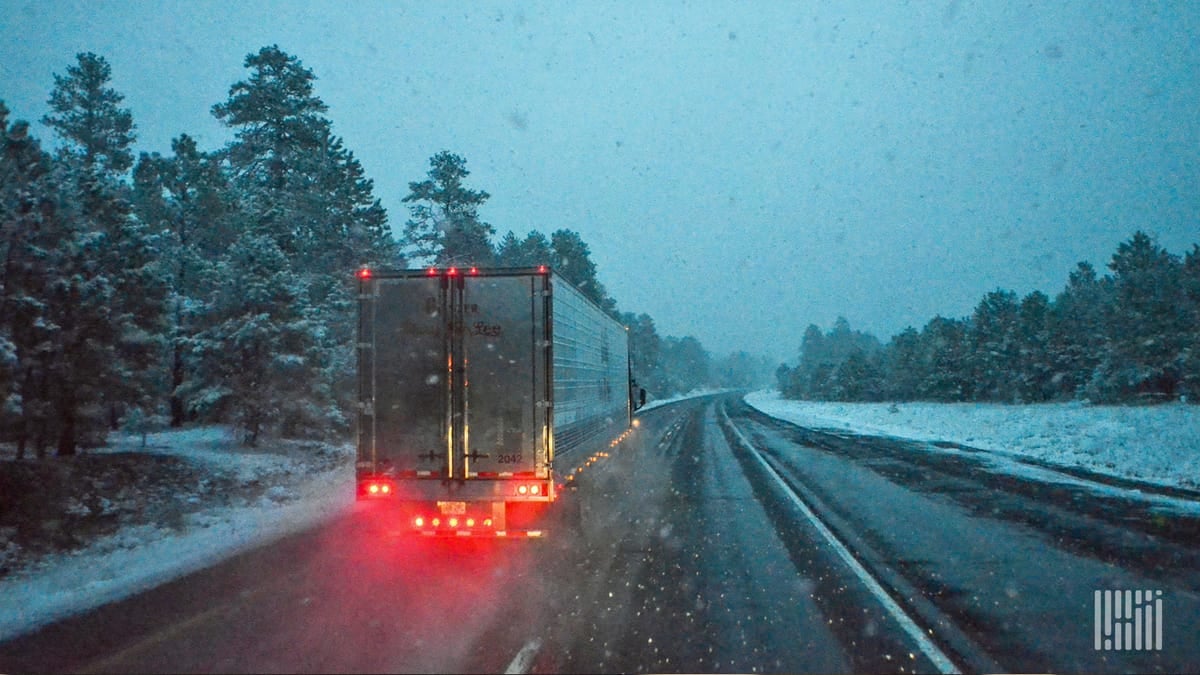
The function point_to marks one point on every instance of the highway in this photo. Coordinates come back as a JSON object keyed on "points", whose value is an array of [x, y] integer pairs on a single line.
{"points": [[711, 539]]}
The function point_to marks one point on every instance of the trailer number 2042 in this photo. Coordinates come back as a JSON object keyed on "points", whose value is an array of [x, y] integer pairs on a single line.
{"points": [[511, 459]]}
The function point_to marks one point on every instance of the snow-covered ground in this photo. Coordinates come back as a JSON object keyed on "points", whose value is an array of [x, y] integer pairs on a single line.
{"points": [[1156, 444], [139, 557]]}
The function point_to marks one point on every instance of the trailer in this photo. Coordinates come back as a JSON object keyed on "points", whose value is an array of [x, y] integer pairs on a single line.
{"points": [[479, 390]]}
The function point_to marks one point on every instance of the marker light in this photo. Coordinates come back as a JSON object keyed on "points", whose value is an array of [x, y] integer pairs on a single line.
{"points": [[487, 522], [452, 271], [364, 273], [470, 522], [454, 522], [432, 272], [474, 270], [541, 269]]}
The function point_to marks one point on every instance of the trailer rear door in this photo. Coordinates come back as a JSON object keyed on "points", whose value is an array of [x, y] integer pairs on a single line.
{"points": [[506, 343]]}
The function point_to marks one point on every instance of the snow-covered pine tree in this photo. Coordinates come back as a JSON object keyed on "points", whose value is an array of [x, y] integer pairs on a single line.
{"points": [[186, 200], [1034, 366], [111, 297], [444, 226], [993, 349], [31, 233], [298, 185], [1078, 330], [254, 357], [1147, 333], [1190, 384]]}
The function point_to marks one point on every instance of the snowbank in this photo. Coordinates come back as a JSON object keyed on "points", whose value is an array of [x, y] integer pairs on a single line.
{"points": [[1158, 444]]}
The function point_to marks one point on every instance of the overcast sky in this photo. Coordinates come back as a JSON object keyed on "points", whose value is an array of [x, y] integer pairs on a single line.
{"points": [[740, 170]]}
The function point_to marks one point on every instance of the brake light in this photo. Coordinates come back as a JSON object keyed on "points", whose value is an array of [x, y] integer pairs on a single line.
{"points": [[419, 521], [522, 489], [373, 489]]}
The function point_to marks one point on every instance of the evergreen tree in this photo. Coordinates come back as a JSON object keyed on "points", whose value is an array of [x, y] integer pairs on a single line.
{"points": [[297, 185], [1148, 334], [258, 353], [186, 199], [1034, 365], [444, 226], [531, 251], [945, 361], [87, 115], [1078, 330], [992, 344], [111, 296], [1190, 363], [645, 351], [903, 366], [31, 234], [686, 364], [280, 143], [572, 258]]}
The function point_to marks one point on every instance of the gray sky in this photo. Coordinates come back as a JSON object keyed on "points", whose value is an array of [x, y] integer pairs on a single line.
{"points": [[740, 170]]}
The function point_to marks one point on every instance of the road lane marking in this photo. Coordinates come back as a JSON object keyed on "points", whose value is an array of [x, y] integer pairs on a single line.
{"points": [[523, 661], [930, 650]]}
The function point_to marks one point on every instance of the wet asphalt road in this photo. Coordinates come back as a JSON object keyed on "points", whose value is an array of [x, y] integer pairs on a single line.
{"points": [[683, 557]]}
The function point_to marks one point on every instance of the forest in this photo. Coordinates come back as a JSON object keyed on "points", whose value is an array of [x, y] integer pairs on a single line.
{"points": [[1129, 336], [216, 285]]}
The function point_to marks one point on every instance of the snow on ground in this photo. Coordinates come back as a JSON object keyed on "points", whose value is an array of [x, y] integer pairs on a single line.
{"points": [[140, 557], [1156, 444], [691, 394]]}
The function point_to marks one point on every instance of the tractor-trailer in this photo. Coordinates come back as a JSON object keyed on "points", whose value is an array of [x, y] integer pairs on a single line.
{"points": [[474, 386]]}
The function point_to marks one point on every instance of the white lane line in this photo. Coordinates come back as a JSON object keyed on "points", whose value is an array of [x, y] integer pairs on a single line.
{"points": [[523, 661], [930, 650]]}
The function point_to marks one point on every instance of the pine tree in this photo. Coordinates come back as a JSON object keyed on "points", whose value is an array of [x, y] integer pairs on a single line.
{"points": [[945, 360], [299, 186], [903, 366], [531, 251], [257, 355], [281, 139], [1034, 366], [1190, 313], [1147, 332], [31, 234], [992, 342], [444, 226], [1078, 331], [186, 199], [110, 295], [572, 258]]}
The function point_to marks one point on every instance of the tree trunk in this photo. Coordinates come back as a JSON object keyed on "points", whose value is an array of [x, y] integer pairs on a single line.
{"points": [[177, 411], [66, 435]]}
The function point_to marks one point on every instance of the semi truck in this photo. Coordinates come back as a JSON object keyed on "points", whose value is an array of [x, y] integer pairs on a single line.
{"points": [[479, 392]]}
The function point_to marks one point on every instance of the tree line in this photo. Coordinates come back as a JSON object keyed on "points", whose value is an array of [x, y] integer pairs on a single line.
{"points": [[216, 285], [1131, 335]]}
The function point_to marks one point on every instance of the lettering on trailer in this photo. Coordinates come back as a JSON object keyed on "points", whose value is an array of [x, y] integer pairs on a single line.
{"points": [[1128, 620], [486, 329]]}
